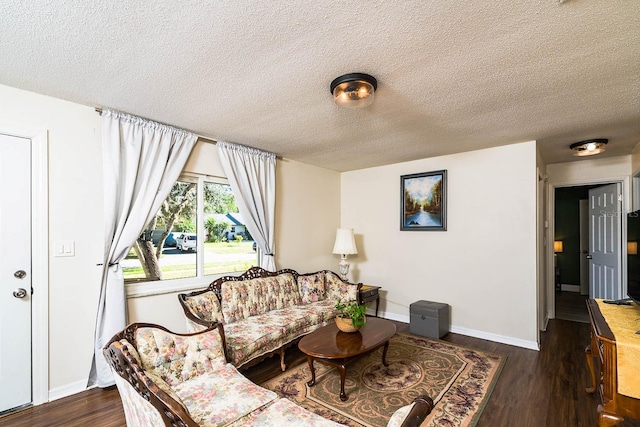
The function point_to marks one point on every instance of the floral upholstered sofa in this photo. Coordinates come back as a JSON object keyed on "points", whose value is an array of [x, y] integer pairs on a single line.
{"points": [[169, 379], [264, 312]]}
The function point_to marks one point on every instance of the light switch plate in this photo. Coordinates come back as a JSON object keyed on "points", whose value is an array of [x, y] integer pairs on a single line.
{"points": [[64, 248]]}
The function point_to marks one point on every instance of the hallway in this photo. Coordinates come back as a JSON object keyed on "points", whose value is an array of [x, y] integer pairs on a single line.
{"points": [[571, 306]]}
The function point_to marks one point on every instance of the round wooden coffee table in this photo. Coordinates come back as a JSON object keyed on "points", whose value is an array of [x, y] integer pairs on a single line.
{"points": [[330, 346]]}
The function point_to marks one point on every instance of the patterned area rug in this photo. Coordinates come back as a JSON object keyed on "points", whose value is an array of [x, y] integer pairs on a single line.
{"points": [[458, 379]]}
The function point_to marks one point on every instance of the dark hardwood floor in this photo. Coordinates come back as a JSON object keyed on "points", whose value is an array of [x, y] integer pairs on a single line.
{"points": [[571, 306], [545, 388]]}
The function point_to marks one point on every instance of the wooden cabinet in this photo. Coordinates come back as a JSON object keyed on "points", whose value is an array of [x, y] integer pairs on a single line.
{"points": [[368, 293]]}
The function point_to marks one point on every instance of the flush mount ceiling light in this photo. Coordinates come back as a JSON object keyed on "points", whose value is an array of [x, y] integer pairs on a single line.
{"points": [[354, 90], [589, 147]]}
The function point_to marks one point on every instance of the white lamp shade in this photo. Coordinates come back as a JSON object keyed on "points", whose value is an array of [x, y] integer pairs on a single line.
{"points": [[345, 242]]}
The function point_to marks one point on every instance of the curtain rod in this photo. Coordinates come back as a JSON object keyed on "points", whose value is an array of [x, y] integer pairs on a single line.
{"points": [[211, 141]]}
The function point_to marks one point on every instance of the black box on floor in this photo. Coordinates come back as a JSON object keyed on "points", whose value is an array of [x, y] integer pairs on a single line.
{"points": [[429, 319]]}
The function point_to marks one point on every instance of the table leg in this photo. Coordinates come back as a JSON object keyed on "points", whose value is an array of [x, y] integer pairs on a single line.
{"points": [[384, 354], [313, 371], [343, 374], [377, 304]]}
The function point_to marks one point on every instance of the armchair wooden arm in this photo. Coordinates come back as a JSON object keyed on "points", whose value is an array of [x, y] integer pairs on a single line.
{"points": [[423, 405]]}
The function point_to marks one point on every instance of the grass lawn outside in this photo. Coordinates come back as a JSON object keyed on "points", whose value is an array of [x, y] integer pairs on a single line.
{"points": [[220, 258]]}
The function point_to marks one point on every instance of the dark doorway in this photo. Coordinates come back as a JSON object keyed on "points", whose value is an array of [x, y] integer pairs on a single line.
{"points": [[569, 303]]}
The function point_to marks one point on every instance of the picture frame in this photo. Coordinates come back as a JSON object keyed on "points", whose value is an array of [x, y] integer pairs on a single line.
{"points": [[423, 201]]}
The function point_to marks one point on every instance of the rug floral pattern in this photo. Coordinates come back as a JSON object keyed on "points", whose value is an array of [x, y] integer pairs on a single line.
{"points": [[458, 379]]}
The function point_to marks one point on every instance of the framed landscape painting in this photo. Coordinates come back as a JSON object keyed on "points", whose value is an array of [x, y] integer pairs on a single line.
{"points": [[424, 201]]}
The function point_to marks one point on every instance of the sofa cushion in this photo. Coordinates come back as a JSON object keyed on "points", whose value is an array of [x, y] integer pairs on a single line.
{"points": [[250, 338], [311, 287], [317, 313], [301, 319], [283, 412], [336, 289], [246, 298], [178, 358], [206, 306], [222, 396]]}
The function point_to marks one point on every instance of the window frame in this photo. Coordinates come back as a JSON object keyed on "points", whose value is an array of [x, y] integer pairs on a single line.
{"points": [[200, 280]]}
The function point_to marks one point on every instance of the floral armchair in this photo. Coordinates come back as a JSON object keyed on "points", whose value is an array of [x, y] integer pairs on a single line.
{"points": [[169, 379]]}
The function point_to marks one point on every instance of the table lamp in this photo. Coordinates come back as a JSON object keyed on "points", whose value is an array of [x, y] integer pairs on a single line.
{"points": [[345, 245]]}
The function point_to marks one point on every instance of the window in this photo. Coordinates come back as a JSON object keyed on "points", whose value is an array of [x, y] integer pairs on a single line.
{"points": [[197, 232]]}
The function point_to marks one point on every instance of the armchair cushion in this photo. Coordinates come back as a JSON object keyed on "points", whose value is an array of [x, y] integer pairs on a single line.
{"points": [[283, 412], [177, 358], [220, 397]]}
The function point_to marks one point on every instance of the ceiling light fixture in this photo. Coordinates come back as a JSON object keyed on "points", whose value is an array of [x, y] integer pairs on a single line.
{"points": [[354, 90], [589, 147]]}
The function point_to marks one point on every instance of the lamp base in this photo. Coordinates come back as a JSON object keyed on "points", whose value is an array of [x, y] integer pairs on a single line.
{"points": [[344, 267]]}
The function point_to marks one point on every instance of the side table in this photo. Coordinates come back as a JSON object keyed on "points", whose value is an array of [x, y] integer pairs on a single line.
{"points": [[368, 293]]}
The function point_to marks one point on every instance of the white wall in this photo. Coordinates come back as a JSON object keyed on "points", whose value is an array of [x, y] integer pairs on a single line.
{"points": [[483, 266], [307, 216], [75, 213], [594, 170], [635, 158]]}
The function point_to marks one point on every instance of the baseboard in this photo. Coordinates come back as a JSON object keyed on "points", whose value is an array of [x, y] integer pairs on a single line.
{"points": [[570, 288], [531, 345], [68, 390], [391, 316]]}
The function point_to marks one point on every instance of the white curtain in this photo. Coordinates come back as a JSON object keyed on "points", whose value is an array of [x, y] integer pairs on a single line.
{"points": [[142, 161], [252, 176]]}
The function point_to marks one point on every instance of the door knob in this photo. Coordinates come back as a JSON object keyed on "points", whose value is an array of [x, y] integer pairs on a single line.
{"points": [[20, 274], [20, 293], [589, 257]]}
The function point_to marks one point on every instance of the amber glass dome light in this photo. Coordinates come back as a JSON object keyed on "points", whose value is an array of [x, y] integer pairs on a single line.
{"points": [[589, 147], [354, 90]]}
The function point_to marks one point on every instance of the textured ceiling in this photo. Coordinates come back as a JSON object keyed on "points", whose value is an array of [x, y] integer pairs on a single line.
{"points": [[453, 76]]}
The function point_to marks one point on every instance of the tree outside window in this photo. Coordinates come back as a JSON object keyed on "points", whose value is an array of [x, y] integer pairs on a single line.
{"points": [[167, 249]]}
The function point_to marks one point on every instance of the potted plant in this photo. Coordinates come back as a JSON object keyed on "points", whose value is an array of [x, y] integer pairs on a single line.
{"points": [[350, 316]]}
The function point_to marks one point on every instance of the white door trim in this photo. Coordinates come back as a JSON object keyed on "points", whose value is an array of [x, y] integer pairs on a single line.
{"points": [[40, 257], [551, 207]]}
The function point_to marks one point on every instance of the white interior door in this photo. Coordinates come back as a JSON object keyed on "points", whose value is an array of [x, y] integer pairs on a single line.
{"points": [[15, 272], [605, 210]]}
